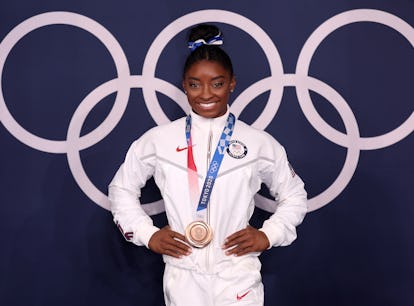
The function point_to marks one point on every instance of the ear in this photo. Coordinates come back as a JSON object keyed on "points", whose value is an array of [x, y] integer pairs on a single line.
{"points": [[184, 86], [232, 83]]}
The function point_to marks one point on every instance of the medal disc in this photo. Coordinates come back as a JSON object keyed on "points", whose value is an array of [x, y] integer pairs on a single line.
{"points": [[198, 234]]}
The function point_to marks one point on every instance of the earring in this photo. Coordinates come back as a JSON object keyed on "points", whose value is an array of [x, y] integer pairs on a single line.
{"points": [[231, 90]]}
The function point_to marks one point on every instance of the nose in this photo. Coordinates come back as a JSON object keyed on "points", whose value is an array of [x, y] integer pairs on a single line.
{"points": [[206, 93]]}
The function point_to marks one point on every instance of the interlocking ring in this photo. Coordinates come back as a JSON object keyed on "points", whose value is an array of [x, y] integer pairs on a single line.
{"points": [[213, 167]]}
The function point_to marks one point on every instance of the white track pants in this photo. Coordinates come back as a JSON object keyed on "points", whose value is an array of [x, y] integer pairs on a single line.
{"points": [[237, 285]]}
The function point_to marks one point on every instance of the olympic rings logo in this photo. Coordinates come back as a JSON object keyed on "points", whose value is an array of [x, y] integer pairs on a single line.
{"points": [[213, 167], [275, 83]]}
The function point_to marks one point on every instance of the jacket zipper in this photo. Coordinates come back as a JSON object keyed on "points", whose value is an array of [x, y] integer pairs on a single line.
{"points": [[210, 138]]}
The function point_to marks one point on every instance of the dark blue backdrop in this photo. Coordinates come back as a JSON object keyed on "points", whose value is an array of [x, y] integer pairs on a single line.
{"points": [[60, 248]]}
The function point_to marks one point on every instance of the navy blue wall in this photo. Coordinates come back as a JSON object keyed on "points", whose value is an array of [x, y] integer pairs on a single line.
{"points": [[345, 88]]}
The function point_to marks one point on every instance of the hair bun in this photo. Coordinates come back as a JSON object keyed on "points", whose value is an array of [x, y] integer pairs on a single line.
{"points": [[204, 34]]}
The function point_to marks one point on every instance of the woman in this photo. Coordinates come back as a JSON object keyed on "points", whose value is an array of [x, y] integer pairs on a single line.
{"points": [[208, 167]]}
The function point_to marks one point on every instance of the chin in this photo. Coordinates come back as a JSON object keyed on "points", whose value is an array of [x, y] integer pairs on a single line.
{"points": [[209, 114], [213, 113]]}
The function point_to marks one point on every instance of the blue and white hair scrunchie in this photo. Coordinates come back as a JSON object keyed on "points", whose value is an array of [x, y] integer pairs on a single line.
{"points": [[216, 40]]}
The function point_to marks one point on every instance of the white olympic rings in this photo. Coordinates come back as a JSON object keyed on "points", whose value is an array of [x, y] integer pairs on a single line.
{"points": [[150, 84]]}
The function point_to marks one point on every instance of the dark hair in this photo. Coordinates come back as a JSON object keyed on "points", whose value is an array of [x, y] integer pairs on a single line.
{"points": [[207, 52]]}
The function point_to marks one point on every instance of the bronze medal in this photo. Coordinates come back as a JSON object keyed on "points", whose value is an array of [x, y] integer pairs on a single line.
{"points": [[198, 234]]}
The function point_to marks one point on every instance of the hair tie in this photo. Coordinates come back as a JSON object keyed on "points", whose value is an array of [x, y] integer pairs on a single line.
{"points": [[216, 40]]}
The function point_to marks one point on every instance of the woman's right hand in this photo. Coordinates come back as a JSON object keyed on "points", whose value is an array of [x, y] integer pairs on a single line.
{"points": [[167, 242]]}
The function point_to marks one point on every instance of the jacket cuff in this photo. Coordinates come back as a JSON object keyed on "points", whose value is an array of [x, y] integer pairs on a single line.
{"points": [[273, 234], [146, 233]]}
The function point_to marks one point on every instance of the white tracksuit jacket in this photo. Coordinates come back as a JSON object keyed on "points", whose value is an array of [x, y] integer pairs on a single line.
{"points": [[231, 204]]}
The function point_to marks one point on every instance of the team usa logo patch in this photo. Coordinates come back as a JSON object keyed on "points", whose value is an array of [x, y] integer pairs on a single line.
{"points": [[128, 235], [237, 149]]}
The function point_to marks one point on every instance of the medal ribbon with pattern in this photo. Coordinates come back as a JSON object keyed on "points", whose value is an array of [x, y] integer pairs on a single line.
{"points": [[213, 167]]}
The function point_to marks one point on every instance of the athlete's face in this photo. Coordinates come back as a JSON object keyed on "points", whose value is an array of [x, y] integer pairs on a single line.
{"points": [[208, 85]]}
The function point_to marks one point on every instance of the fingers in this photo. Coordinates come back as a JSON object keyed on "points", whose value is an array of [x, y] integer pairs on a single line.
{"points": [[235, 239], [239, 243], [246, 241], [175, 235], [168, 242], [175, 248], [173, 245]]}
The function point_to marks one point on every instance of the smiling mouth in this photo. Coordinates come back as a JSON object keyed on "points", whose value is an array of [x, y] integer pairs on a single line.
{"points": [[207, 105]]}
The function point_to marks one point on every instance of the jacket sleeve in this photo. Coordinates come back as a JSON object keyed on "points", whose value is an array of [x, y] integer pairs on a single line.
{"points": [[125, 190], [291, 198]]}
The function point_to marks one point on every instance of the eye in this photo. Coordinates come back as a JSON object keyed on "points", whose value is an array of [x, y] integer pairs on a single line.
{"points": [[194, 85], [218, 84]]}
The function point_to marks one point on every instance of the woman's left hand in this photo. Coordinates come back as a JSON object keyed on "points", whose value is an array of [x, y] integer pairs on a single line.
{"points": [[246, 241]]}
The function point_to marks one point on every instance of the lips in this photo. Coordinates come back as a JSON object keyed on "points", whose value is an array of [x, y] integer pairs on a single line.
{"points": [[207, 105]]}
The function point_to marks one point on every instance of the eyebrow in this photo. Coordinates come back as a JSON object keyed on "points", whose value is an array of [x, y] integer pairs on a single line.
{"points": [[213, 79]]}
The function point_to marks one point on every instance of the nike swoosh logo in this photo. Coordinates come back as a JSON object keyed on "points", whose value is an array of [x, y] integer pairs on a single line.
{"points": [[239, 297], [182, 149]]}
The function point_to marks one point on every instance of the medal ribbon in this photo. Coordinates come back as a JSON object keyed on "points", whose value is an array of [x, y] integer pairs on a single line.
{"points": [[191, 166], [213, 167]]}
